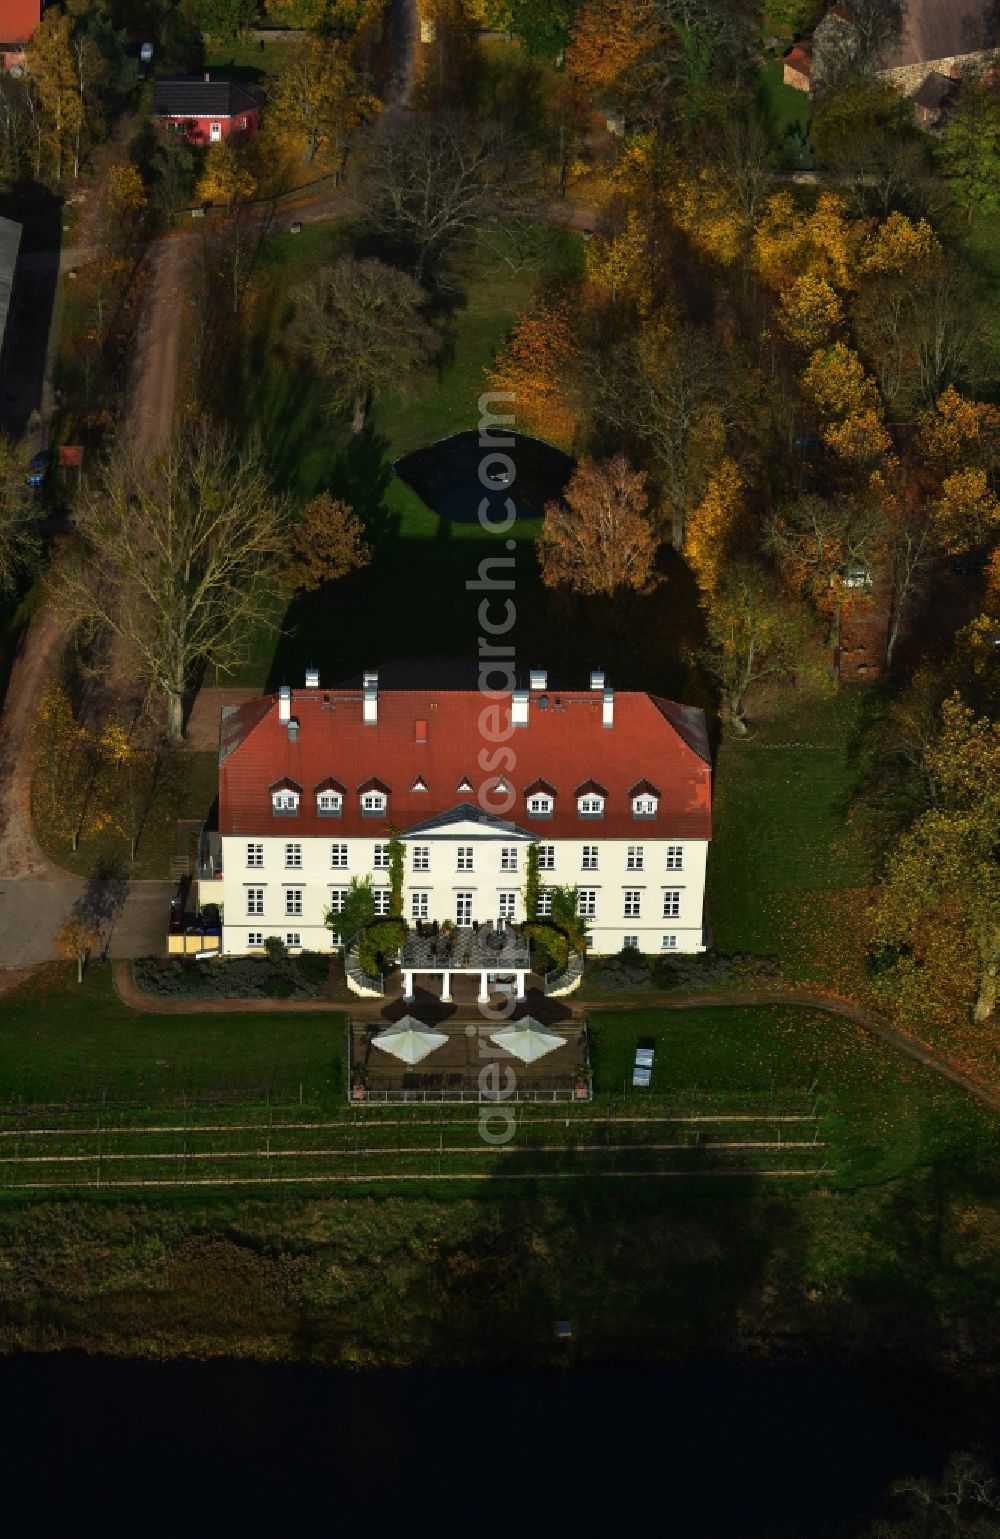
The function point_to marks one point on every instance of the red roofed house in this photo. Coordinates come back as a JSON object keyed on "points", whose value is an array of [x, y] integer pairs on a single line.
{"points": [[615, 789], [203, 110], [18, 20]]}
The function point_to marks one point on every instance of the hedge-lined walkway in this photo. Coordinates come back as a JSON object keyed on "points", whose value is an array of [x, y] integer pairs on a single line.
{"points": [[361, 1010]]}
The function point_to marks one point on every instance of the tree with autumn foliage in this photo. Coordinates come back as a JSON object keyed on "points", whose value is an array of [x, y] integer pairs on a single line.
{"points": [[318, 99], [224, 178], [936, 924], [609, 37], [64, 791], [75, 939], [959, 447], [327, 542], [539, 366], [598, 539], [710, 527], [754, 635], [827, 550]]}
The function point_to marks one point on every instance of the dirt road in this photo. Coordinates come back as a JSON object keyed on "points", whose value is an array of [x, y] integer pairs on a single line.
{"points": [[162, 323]]}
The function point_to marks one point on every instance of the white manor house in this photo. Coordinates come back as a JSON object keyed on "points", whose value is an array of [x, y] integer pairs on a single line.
{"points": [[615, 789]]}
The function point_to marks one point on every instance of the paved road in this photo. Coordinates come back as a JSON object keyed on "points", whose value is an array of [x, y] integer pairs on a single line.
{"points": [[31, 911]]}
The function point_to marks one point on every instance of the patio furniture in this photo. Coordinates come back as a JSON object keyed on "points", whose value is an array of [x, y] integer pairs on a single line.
{"points": [[642, 1071]]}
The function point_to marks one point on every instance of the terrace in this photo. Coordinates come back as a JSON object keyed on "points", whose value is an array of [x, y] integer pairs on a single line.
{"points": [[454, 1071], [498, 955]]}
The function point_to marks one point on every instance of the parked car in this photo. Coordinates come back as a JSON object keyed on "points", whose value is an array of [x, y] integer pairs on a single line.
{"points": [[38, 470]]}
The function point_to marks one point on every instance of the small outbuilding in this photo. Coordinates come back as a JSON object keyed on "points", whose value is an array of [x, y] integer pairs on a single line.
{"points": [[206, 110]]}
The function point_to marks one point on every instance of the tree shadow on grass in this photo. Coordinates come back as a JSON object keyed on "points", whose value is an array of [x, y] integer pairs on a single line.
{"points": [[100, 904]]}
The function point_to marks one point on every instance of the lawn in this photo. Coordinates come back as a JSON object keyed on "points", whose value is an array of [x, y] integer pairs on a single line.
{"points": [[884, 1117], [784, 849], [983, 246], [782, 106], [61, 1042]]}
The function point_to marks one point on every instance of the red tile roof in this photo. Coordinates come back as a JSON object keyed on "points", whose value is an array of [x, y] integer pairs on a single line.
{"points": [[562, 745], [18, 19]]}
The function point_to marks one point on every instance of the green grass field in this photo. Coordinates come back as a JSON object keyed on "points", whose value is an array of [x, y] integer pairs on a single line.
{"points": [[782, 835]]}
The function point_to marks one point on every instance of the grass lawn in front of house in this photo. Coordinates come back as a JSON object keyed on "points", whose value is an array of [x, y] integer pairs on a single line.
{"points": [[75, 1044]]}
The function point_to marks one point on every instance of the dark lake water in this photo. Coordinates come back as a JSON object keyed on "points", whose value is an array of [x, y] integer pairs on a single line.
{"points": [[453, 476], [704, 1452]]}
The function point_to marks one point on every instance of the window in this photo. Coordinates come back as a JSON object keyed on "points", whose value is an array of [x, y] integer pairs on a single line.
{"points": [[293, 856], [255, 854], [463, 908], [255, 900], [588, 902], [508, 904], [544, 908], [329, 803], [634, 857], [255, 938], [539, 806], [671, 903], [380, 858], [337, 896], [675, 857], [293, 938], [373, 801], [630, 943], [421, 857], [633, 903], [668, 942], [546, 857], [590, 806], [338, 855], [589, 857], [508, 857], [285, 802], [293, 901], [644, 806], [463, 857], [382, 897], [418, 905]]}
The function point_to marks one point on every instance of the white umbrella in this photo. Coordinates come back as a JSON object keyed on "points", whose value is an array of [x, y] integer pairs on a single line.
{"points": [[409, 1039], [527, 1039]]}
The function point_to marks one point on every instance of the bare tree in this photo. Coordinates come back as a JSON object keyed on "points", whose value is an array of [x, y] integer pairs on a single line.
{"points": [[179, 559], [360, 323], [754, 634], [670, 398], [435, 182]]}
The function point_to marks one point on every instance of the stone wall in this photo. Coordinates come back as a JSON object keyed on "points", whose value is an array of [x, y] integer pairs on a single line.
{"points": [[910, 77]]}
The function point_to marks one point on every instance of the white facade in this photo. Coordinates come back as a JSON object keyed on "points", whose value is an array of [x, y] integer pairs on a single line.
{"points": [[644, 891]]}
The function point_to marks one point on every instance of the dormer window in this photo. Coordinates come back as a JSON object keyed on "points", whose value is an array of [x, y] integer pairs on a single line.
{"points": [[464, 786], [329, 798], [419, 784], [374, 796], [590, 799], [540, 799], [645, 798], [285, 796]]}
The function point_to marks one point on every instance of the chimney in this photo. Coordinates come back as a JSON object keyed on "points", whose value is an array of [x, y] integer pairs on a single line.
{"points": [[369, 713], [421, 731], [285, 703], [597, 678], [608, 708], [539, 678], [519, 708], [293, 729], [312, 678]]}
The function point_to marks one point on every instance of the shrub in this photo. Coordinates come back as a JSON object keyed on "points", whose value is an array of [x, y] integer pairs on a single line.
{"points": [[277, 987], [313, 967], [275, 948]]}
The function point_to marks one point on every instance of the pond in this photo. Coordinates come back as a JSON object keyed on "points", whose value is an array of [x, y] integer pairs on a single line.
{"points": [[454, 475], [731, 1451]]}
